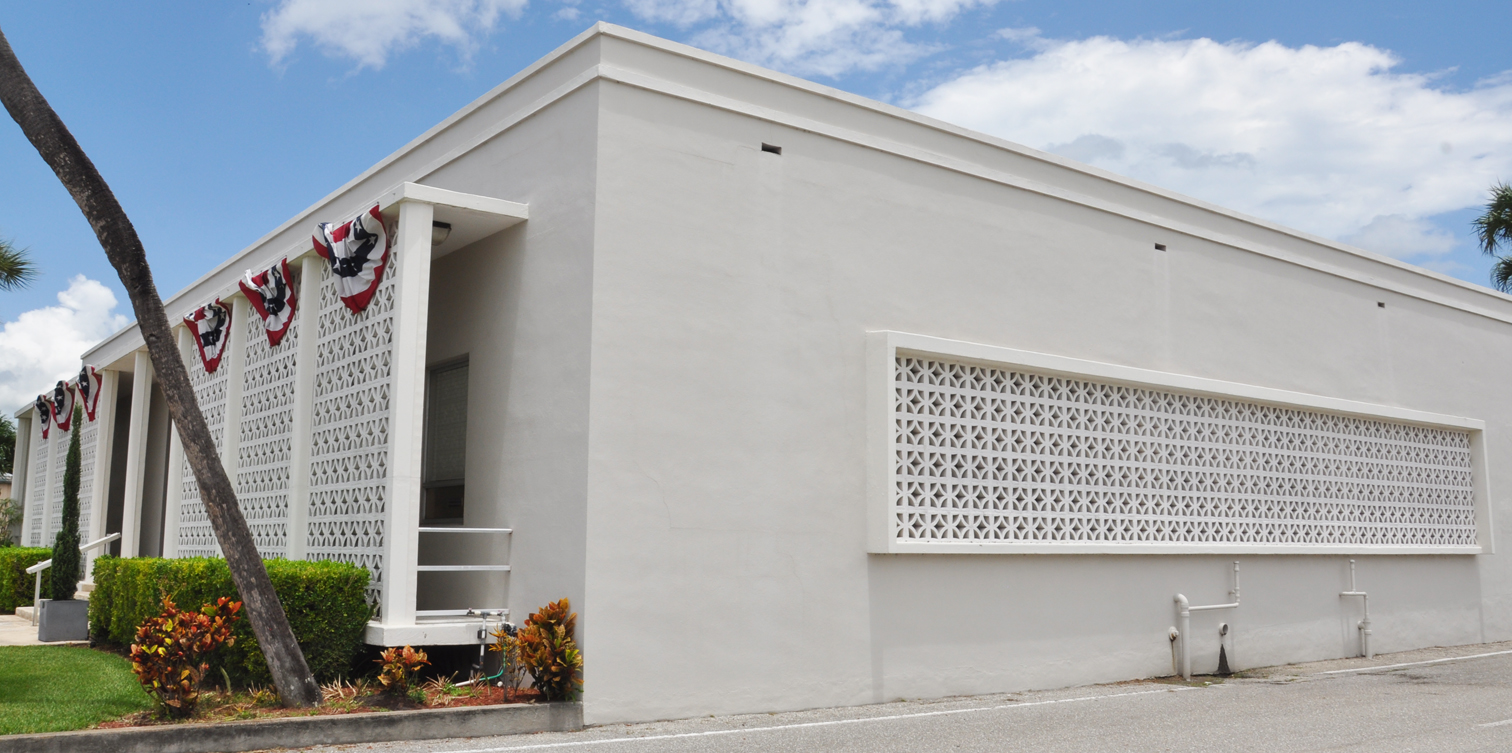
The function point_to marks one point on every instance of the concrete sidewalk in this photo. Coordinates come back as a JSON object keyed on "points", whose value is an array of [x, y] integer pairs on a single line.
{"points": [[17, 630], [1442, 699]]}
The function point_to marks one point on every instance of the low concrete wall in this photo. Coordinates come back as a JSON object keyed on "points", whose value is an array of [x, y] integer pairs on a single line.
{"points": [[299, 732]]}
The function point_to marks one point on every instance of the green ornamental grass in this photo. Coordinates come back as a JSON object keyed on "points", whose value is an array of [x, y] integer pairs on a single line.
{"points": [[58, 688]]}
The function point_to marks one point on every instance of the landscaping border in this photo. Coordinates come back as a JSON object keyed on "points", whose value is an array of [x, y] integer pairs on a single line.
{"points": [[305, 731]]}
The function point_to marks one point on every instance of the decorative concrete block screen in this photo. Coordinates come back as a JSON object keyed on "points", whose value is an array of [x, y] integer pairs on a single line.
{"points": [[265, 446], [89, 444], [350, 447], [37, 479], [195, 536], [1008, 456]]}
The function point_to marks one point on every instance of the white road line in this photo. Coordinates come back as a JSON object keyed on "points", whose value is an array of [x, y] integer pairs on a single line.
{"points": [[1496, 724], [1414, 663], [831, 723]]}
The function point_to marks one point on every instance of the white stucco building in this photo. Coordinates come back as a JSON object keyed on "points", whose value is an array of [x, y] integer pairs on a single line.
{"points": [[806, 400]]}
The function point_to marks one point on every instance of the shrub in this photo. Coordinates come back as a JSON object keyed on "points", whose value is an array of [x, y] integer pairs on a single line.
{"points": [[65, 551], [15, 585], [170, 649], [548, 651], [324, 601], [399, 668]]}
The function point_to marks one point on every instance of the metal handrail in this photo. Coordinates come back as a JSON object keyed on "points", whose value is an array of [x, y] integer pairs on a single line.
{"points": [[44, 564]]}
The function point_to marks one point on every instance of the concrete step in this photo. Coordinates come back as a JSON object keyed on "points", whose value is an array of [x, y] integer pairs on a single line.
{"points": [[85, 589]]}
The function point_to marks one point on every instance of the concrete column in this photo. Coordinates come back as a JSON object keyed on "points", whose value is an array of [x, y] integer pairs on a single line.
{"points": [[174, 498], [100, 484], [407, 411], [136, 454], [20, 469], [307, 325]]}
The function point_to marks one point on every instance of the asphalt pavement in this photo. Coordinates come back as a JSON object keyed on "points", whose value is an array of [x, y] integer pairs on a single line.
{"points": [[1439, 700]]}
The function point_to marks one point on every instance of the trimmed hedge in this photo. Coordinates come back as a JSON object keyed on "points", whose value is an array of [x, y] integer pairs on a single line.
{"points": [[15, 585], [324, 601]]}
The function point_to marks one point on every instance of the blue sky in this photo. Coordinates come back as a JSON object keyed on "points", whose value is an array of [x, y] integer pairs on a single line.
{"points": [[215, 122]]}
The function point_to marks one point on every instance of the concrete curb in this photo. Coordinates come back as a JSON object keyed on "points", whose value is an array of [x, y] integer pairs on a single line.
{"points": [[304, 731]]}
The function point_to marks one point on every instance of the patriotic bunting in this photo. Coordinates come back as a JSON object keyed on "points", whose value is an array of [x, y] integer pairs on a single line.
{"points": [[358, 253], [271, 293], [211, 325], [89, 389], [63, 405], [44, 409]]}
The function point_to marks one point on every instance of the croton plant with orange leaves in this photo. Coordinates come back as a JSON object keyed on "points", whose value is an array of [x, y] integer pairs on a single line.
{"points": [[169, 651]]}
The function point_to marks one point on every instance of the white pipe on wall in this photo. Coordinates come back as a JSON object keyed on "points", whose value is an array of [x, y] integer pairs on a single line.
{"points": [[1184, 612], [1363, 626]]}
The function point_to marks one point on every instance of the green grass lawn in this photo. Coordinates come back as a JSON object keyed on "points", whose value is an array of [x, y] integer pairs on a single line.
{"points": [[56, 688]]}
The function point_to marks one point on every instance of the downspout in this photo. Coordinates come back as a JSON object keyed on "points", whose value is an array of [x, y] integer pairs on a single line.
{"points": [[1364, 625], [1184, 612]]}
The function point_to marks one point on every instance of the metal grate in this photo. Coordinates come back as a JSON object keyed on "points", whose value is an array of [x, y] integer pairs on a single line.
{"points": [[996, 455]]}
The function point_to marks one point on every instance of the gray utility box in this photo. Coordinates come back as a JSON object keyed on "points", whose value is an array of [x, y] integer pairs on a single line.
{"points": [[63, 620]]}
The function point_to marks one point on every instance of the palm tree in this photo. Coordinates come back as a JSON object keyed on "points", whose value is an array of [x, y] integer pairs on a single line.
{"points": [[1495, 228], [16, 270], [291, 674]]}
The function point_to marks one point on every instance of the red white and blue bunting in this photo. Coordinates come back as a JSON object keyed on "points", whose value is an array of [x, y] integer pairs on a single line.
{"points": [[211, 326], [271, 293], [90, 381], [44, 413], [358, 252], [63, 405]]}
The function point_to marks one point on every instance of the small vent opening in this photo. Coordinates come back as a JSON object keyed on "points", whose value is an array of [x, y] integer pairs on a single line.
{"points": [[1160, 247], [771, 148]]}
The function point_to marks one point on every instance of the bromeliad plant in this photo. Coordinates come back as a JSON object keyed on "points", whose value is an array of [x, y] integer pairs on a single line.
{"points": [[168, 655], [546, 648], [400, 668]]}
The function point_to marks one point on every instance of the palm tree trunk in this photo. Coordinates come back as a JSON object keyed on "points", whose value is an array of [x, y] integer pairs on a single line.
{"points": [[296, 686]]}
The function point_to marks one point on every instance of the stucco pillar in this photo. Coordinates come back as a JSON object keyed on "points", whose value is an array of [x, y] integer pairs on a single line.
{"points": [[406, 411], [307, 327], [136, 454], [100, 484], [20, 470]]}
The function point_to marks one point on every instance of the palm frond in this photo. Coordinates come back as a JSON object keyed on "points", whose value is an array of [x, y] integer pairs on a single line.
{"points": [[1501, 274], [16, 269], [1495, 226]]}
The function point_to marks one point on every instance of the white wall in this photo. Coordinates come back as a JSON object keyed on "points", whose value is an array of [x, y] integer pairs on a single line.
{"points": [[727, 567], [518, 305]]}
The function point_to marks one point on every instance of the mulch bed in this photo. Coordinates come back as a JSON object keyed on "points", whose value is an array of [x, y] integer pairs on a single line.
{"points": [[218, 706]]}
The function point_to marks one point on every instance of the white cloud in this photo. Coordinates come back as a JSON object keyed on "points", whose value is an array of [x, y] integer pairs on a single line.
{"points": [[1402, 237], [367, 32], [43, 345], [812, 37], [1326, 139]]}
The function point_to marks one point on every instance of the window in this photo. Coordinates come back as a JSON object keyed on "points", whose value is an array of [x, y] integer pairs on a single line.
{"points": [[445, 468]]}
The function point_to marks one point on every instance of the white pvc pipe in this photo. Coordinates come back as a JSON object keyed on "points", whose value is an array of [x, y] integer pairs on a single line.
{"points": [[1184, 612], [1363, 626]]}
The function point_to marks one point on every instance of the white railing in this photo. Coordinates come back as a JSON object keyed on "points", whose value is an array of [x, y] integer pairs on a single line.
{"points": [[44, 564], [473, 612]]}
